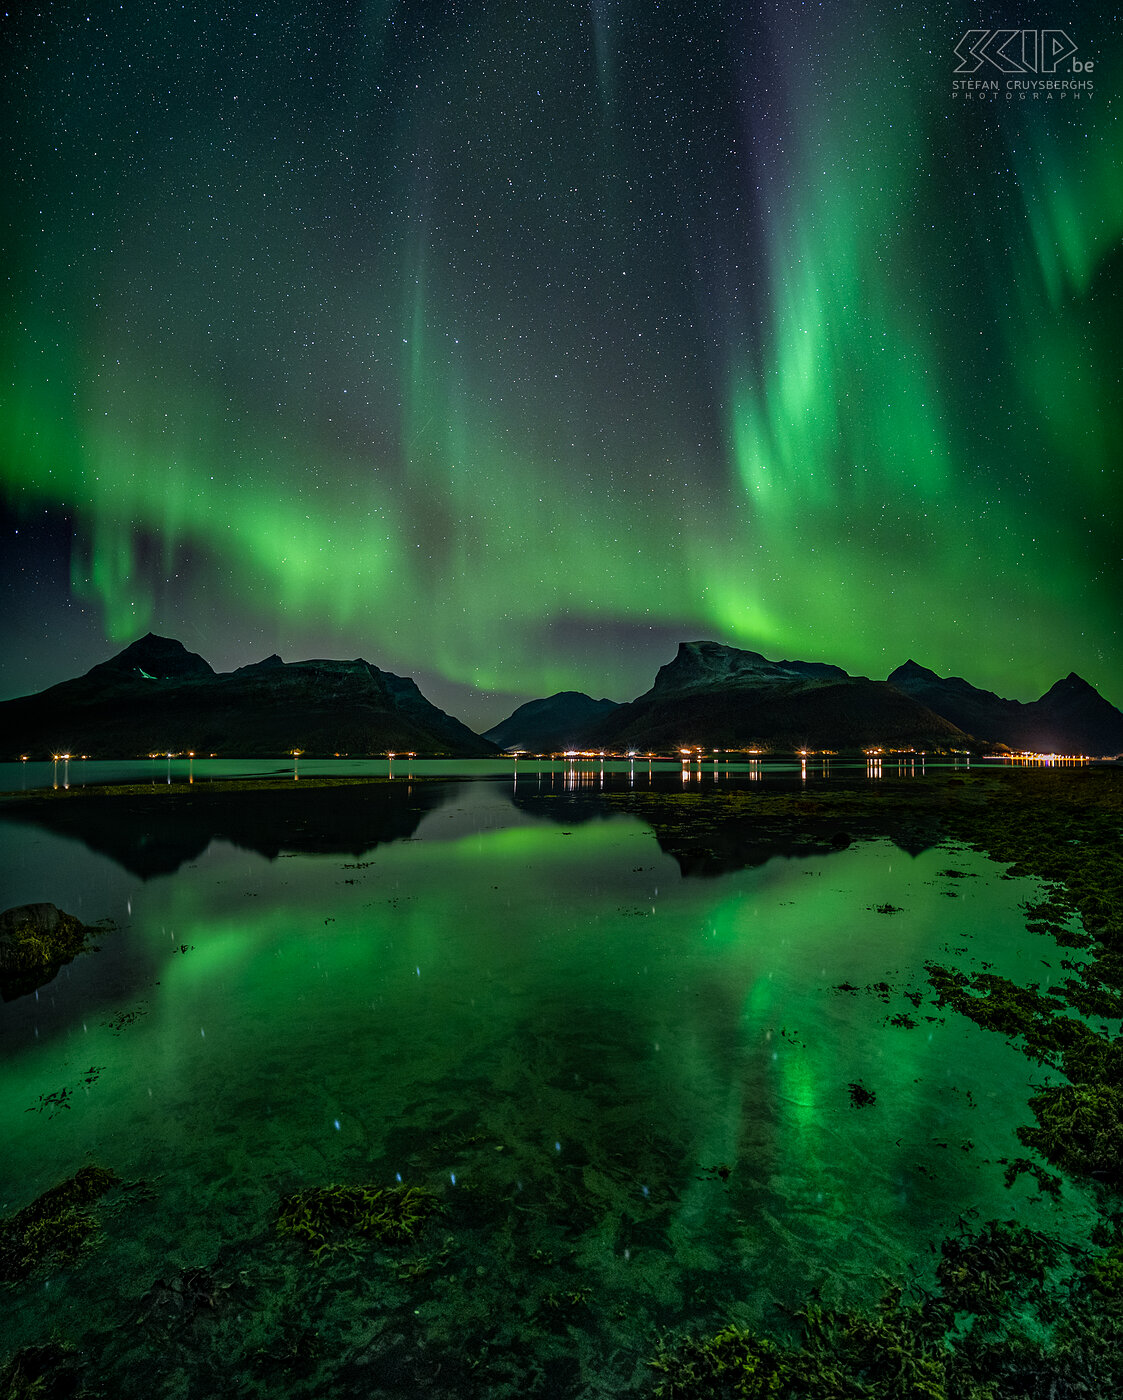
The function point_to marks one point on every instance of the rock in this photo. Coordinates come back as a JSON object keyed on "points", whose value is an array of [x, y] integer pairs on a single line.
{"points": [[41, 919], [35, 941]]}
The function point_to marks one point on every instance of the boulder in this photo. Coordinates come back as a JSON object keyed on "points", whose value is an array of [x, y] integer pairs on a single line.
{"points": [[35, 941]]}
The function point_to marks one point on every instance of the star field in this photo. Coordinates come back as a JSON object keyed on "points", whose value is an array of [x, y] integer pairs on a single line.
{"points": [[507, 344]]}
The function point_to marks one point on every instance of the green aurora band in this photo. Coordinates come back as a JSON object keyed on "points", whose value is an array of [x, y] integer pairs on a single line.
{"points": [[495, 344]]}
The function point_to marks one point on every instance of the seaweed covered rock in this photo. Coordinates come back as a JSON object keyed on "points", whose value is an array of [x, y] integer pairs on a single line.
{"points": [[732, 1363], [1008, 1319], [895, 1353], [54, 1229], [1080, 1129], [986, 1272], [35, 941], [49, 1372]]}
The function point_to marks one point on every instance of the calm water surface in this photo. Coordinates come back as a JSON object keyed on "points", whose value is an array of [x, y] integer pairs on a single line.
{"points": [[76, 772], [629, 1089]]}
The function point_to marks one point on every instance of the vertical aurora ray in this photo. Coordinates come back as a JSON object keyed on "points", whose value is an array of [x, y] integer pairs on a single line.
{"points": [[602, 18], [462, 341], [1072, 196], [907, 490], [1073, 203]]}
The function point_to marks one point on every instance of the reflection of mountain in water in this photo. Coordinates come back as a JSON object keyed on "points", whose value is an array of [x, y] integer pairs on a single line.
{"points": [[739, 840], [157, 834]]}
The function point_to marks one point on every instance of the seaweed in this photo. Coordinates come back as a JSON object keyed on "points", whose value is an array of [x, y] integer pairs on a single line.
{"points": [[733, 1362], [1051, 1038], [1005, 1320], [55, 1228], [1080, 1129], [1080, 1124], [968, 1339], [326, 1217], [47, 1372], [1048, 1183], [1094, 1000], [35, 941], [896, 1353], [564, 1303], [1000, 1264]]}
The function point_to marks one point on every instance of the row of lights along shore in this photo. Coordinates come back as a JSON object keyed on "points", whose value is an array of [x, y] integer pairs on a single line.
{"points": [[695, 754]]}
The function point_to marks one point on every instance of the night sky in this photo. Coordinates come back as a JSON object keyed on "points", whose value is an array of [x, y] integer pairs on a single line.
{"points": [[508, 344]]}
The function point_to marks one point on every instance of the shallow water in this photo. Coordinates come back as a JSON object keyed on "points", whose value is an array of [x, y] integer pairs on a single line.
{"points": [[629, 1088]]}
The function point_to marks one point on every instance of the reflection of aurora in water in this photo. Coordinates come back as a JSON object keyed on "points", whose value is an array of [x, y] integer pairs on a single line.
{"points": [[512, 351], [552, 1028]]}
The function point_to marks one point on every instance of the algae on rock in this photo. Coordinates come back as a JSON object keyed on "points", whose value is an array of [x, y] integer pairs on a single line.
{"points": [[35, 941], [54, 1229]]}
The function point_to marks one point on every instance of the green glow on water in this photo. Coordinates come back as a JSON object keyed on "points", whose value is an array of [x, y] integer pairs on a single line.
{"points": [[555, 1018]]}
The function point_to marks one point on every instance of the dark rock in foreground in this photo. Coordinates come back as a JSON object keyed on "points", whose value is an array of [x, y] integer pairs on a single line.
{"points": [[35, 941]]}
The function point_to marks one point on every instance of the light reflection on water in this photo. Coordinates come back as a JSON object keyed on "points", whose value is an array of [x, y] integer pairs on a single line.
{"points": [[547, 1023], [77, 772]]}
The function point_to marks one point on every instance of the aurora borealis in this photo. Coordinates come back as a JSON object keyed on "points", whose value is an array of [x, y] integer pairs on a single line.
{"points": [[506, 345]]}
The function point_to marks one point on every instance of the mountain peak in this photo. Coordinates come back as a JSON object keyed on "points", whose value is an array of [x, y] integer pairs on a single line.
{"points": [[914, 670], [698, 664], [1072, 685], [555, 722], [156, 658], [706, 663], [270, 663], [156, 696]]}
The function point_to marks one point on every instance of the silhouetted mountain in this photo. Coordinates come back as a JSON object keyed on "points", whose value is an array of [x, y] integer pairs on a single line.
{"points": [[1071, 717], [156, 696], [719, 697], [154, 659], [979, 712], [711, 664], [558, 722], [269, 664]]}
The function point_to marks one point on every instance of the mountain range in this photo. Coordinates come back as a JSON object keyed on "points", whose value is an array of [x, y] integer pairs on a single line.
{"points": [[1071, 717], [156, 696], [719, 697]]}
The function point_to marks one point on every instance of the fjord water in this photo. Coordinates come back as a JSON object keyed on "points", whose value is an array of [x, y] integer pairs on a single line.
{"points": [[630, 1090], [67, 772]]}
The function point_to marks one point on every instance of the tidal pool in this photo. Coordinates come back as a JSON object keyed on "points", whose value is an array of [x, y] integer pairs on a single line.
{"points": [[632, 1092]]}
